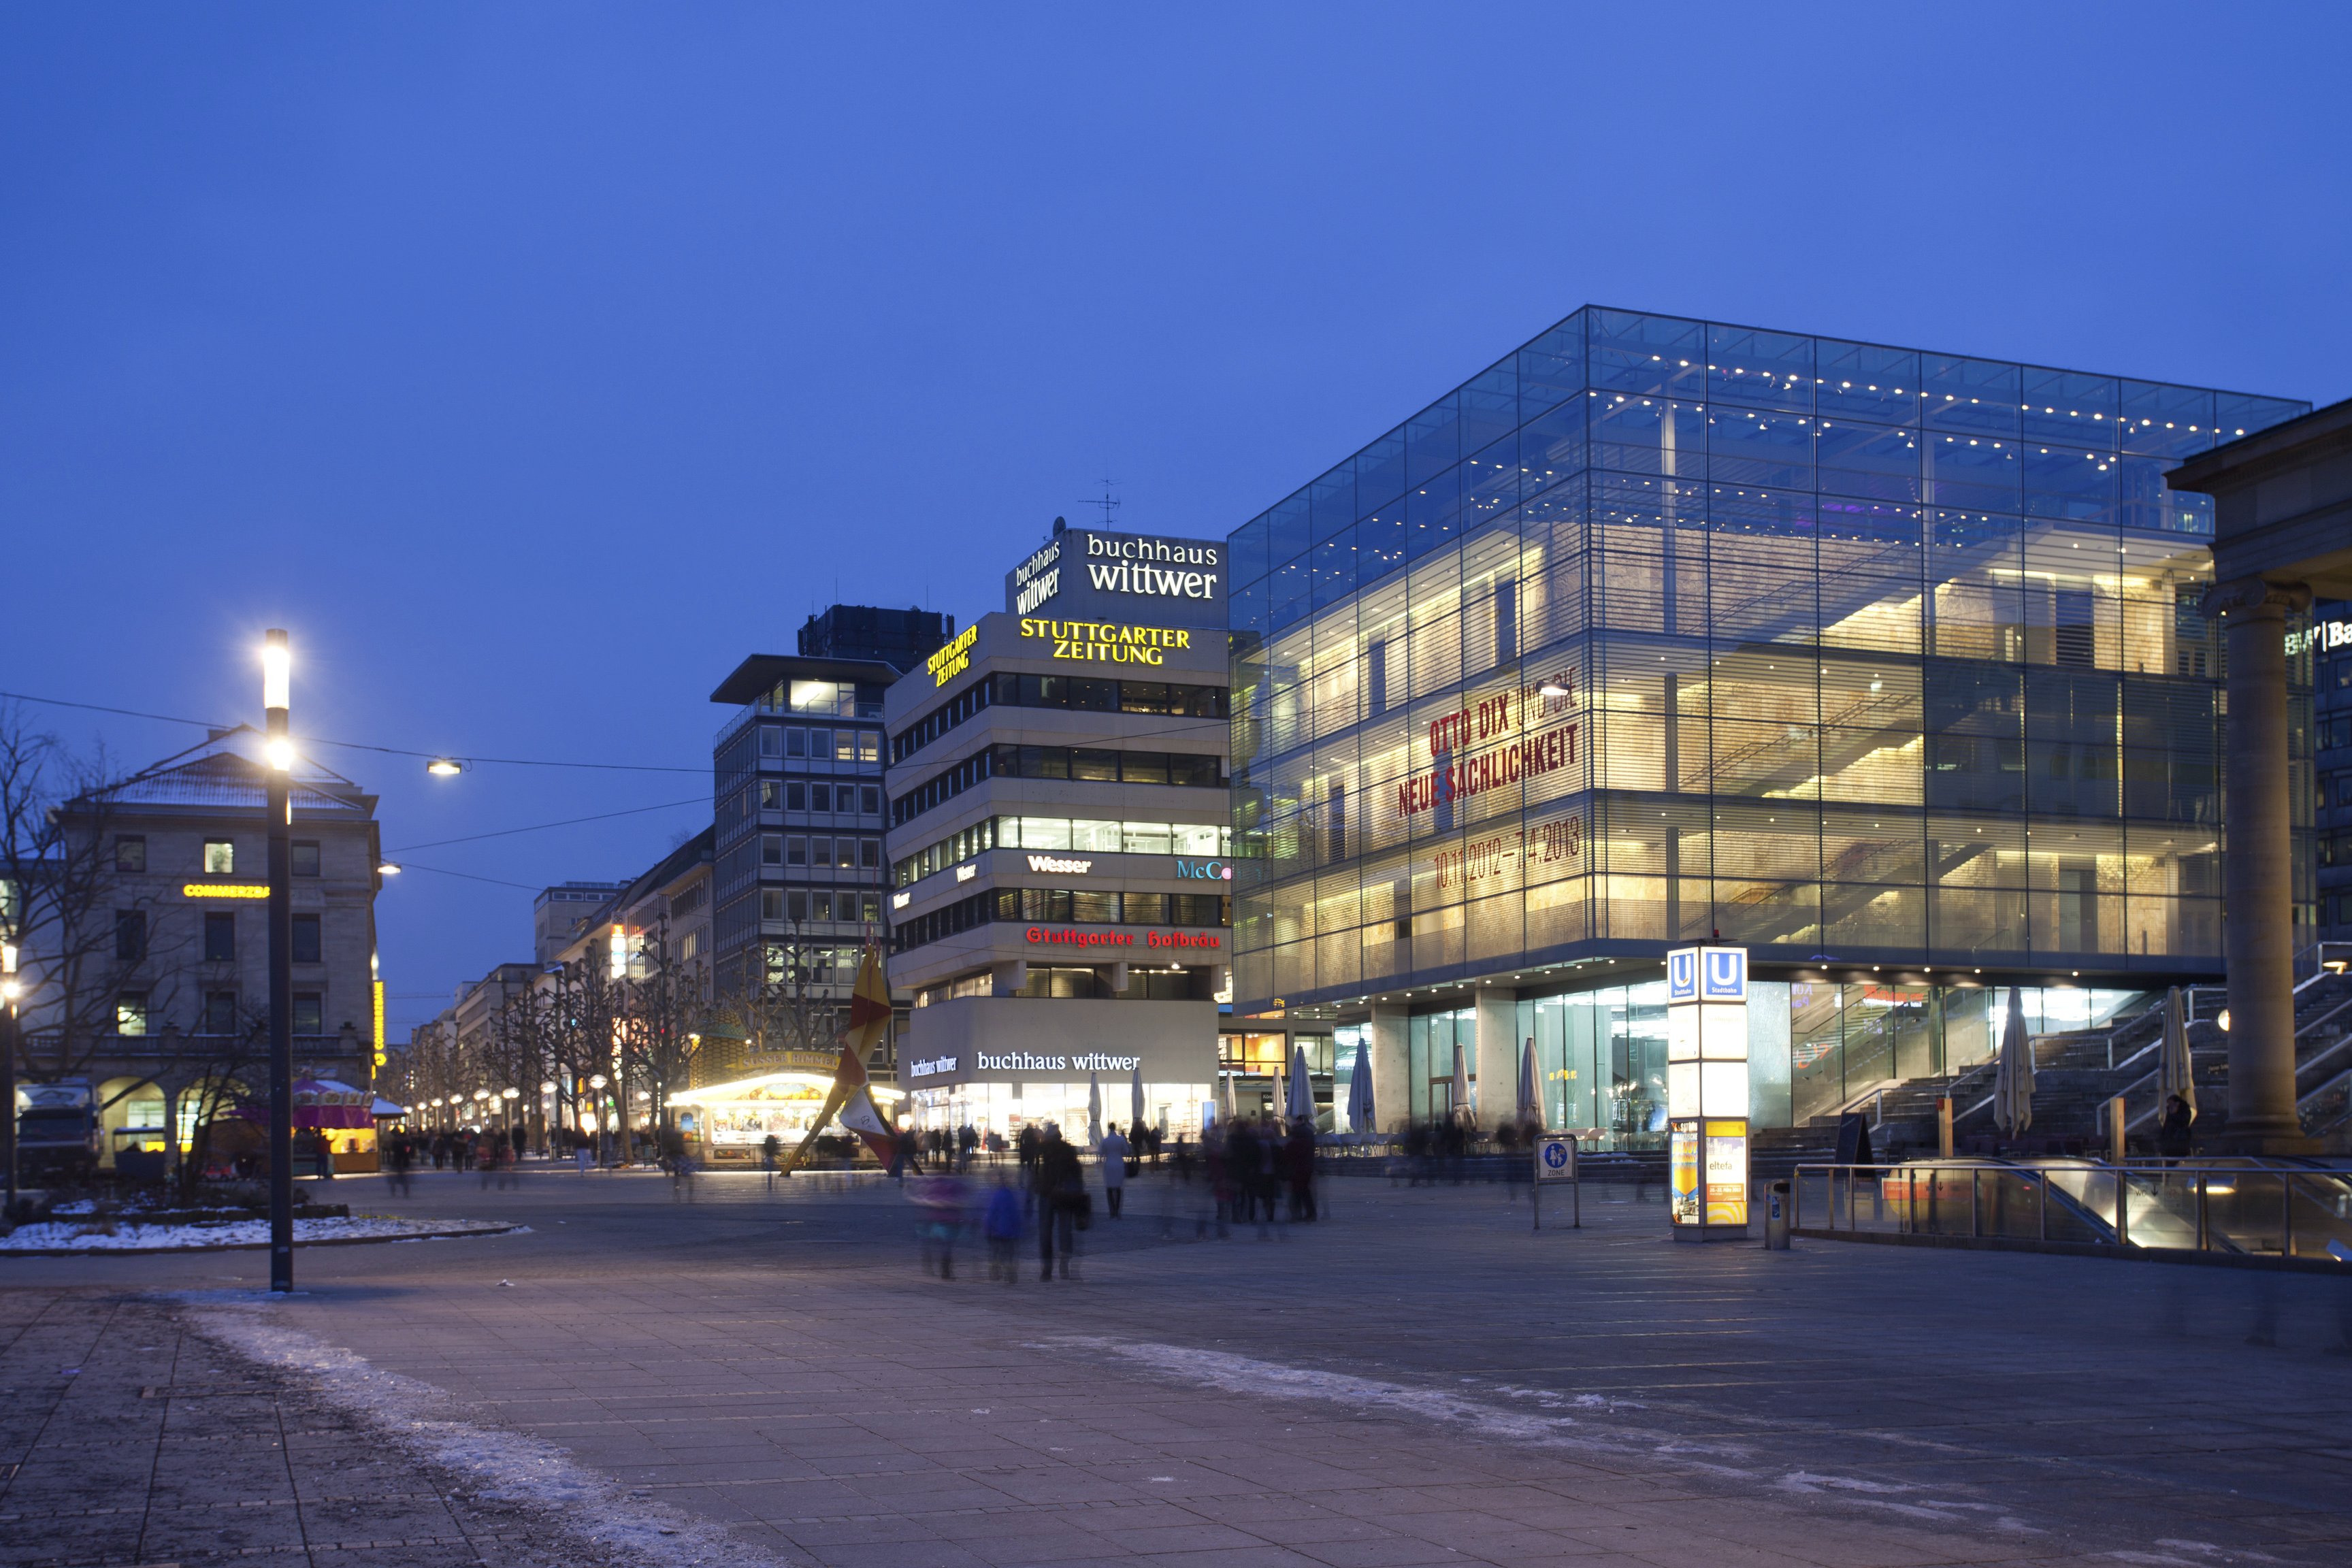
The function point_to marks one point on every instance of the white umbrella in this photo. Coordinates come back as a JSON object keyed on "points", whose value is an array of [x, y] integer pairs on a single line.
{"points": [[1094, 1109], [2013, 1083], [2174, 1073], [1300, 1100], [1461, 1084], [1531, 1107], [1360, 1094], [1135, 1103]]}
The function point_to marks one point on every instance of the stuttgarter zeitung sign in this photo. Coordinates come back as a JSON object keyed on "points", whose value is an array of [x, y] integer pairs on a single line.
{"points": [[1106, 642]]}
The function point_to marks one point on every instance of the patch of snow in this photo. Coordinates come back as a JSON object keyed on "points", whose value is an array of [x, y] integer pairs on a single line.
{"points": [[131, 1236], [506, 1467]]}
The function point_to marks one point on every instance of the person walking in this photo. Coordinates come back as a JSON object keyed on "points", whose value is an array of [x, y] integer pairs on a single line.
{"points": [[772, 1150], [2172, 1132], [1060, 1187], [1114, 1151], [1298, 1160], [1002, 1225]]}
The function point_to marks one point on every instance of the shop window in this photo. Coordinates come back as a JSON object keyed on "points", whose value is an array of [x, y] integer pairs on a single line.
{"points": [[220, 857], [305, 858], [309, 1013], [306, 939], [130, 852], [220, 938]]}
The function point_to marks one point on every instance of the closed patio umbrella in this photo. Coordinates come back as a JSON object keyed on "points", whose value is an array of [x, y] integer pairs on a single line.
{"points": [[1360, 1094], [2174, 1073], [1135, 1103], [2013, 1083], [1298, 1101], [1461, 1084], [1094, 1109], [1530, 1105]]}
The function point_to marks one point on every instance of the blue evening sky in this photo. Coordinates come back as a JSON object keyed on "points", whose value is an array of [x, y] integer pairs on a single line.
{"points": [[534, 363]]}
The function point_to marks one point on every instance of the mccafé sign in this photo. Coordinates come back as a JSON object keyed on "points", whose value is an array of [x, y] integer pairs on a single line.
{"points": [[1502, 747]]}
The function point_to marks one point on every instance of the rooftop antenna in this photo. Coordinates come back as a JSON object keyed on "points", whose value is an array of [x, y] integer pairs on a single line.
{"points": [[1108, 501]]}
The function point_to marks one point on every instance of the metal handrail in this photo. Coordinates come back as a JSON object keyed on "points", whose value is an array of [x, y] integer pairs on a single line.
{"points": [[2143, 1205]]}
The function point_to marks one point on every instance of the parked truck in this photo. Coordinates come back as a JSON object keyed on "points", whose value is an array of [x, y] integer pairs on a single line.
{"points": [[57, 1130]]}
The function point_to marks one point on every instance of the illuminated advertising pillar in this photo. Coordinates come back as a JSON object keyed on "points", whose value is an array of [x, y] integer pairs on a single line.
{"points": [[1707, 1092]]}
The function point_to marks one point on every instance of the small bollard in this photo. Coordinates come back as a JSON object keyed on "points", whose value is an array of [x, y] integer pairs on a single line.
{"points": [[1775, 1218]]}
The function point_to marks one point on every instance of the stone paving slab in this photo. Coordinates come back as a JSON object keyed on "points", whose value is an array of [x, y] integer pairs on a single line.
{"points": [[1422, 1381]]}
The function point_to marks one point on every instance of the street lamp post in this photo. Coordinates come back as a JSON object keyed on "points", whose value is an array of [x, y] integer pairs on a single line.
{"points": [[277, 683], [10, 989]]}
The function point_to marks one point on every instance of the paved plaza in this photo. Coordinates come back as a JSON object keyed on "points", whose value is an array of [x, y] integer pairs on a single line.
{"points": [[758, 1377]]}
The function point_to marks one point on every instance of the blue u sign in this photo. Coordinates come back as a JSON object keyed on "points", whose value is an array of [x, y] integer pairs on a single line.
{"points": [[1724, 973], [1682, 974]]}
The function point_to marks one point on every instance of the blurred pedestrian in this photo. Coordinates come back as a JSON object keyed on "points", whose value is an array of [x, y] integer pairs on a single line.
{"points": [[1061, 1202], [1114, 1151], [1003, 1226]]}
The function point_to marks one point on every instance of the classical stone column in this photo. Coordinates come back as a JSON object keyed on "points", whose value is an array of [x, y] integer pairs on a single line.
{"points": [[1498, 1065], [2257, 874], [1391, 1065]]}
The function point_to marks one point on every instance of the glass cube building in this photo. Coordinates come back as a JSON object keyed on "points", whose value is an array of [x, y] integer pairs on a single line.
{"points": [[1885, 664]]}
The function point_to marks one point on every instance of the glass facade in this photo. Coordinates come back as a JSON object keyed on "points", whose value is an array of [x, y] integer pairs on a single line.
{"points": [[1662, 629]]}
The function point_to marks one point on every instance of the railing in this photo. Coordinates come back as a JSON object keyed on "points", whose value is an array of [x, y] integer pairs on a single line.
{"points": [[2255, 1211]]}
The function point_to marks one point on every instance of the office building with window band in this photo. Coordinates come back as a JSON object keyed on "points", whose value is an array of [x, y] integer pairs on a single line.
{"points": [[1059, 842], [798, 872], [1887, 665]]}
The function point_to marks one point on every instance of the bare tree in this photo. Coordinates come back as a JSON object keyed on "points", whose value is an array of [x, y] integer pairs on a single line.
{"points": [[83, 940], [664, 1016], [779, 1010]]}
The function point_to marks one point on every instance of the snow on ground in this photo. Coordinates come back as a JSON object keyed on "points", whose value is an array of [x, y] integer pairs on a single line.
{"points": [[129, 1236]]}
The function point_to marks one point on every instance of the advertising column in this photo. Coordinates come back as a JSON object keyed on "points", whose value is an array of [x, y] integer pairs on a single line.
{"points": [[1707, 1092]]}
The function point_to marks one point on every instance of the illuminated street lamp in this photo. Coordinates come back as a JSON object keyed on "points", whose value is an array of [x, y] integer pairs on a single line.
{"points": [[11, 989], [278, 744], [444, 767]]}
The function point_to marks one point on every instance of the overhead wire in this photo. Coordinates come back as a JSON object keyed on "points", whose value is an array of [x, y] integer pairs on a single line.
{"points": [[542, 826], [356, 746]]}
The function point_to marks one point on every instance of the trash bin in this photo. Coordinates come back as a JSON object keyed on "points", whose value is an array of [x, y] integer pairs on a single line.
{"points": [[1776, 1216]]}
